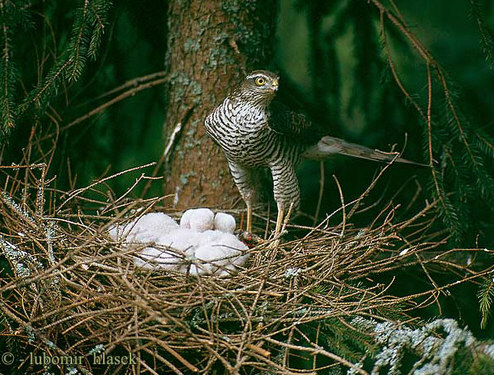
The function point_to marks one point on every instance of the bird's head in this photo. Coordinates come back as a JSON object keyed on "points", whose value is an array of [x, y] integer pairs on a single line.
{"points": [[258, 88]]}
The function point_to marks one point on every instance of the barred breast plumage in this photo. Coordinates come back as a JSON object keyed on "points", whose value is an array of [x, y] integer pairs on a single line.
{"points": [[240, 126], [243, 133]]}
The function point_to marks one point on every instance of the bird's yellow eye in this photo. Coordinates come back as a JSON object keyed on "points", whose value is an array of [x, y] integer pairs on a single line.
{"points": [[260, 81]]}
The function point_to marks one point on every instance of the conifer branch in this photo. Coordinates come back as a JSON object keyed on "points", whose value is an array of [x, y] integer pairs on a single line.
{"points": [[87, 32], [485, 296], [395, 73], [486, 37], [81, 20], [7, 75], [439, 191]]}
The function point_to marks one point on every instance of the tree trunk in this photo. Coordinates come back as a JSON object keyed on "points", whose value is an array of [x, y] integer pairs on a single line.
{"points": [[211, 45]]}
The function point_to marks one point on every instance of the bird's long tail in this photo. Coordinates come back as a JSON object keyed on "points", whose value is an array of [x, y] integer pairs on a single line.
{"points": [[328, 146]]}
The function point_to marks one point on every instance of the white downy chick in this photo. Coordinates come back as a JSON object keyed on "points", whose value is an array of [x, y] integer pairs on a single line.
{"points": [[191, 247], [183, 240], [218, 250], [185, 219], [148, 228], [146, 257], [115, 232], [171, 251], [233, 267], [224, 222], [152, 258], [238, 256], [201, 219], [196, 265]]}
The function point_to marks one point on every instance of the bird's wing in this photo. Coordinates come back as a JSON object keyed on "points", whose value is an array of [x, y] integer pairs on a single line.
{"points": [[302, 130], [292, 124], [328, 146]]}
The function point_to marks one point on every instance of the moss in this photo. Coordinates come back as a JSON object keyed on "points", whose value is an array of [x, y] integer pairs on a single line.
{"points": [[190, 141], [232, 6], [191, 132], [196, 89], [179, 152], [184, 85], [480, 364], [184, 178], [192, 45], [220, 55], [253, 21]]}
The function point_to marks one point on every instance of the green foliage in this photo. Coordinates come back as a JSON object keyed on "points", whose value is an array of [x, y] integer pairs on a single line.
{"points": [[68, 58], [86, 35], [486, 296], [67, 55], [461, 172], [485, 32], [14, 17], [341, 338]]}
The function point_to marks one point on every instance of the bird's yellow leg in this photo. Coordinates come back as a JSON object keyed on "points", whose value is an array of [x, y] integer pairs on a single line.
{"points": [[249, 218], [277, 231], [279, 220]]}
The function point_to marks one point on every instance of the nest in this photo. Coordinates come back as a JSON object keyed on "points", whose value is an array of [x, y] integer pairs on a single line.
{"points": [[73, 295]]}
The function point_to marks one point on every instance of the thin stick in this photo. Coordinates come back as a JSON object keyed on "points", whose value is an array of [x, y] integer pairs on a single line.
{"points": [[321, 192], [343, 210]]}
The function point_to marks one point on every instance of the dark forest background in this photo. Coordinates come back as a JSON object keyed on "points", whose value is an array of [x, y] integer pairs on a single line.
{"points": [[107, 112]]}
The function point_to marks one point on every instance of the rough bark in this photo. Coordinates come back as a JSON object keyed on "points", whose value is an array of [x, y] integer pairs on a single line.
{"points": [[211, 44]]}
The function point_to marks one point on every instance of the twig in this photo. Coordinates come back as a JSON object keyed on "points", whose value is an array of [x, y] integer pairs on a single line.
{"points": [[343, 211], [321, 193]]}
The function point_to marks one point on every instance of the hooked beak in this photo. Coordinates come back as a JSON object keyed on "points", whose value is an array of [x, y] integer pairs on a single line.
{"points": [[275, 85]]}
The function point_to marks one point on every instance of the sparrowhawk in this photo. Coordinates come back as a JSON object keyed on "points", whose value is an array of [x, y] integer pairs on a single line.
{"points": [[253, 135]]}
